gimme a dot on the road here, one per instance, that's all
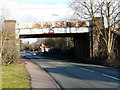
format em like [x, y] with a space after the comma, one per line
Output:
[77, 75]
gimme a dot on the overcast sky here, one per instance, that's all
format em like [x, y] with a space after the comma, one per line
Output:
[37, 10]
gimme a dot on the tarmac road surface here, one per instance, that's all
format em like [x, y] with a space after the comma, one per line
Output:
[77, 75]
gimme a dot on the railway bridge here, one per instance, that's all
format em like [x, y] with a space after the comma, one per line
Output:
[79, 30]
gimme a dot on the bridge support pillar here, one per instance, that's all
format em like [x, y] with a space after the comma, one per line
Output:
[11, 41]
[82, 46]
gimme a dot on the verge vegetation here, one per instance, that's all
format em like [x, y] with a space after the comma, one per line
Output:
[15, 76]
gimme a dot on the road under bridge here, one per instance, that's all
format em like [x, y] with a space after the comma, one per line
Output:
[79, 30]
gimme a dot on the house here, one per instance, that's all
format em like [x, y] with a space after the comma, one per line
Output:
[44, 48]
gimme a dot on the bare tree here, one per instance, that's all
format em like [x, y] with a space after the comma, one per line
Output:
[0, 56]
[8, 49]
[3, 15]
[108, 11]
[0, 43]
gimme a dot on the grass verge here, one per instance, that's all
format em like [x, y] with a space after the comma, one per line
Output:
[15, 76]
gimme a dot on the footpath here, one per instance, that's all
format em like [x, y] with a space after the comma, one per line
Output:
[39, 77]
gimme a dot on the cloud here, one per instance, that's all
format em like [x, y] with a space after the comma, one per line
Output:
[36, 10]
[30, 12]
[39, 1]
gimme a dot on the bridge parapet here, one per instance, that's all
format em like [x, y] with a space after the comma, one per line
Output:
[57, 24]
[54, 27]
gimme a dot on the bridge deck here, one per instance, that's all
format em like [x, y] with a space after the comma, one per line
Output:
[51, 35]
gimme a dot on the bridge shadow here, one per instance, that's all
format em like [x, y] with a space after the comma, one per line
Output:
[76, 72]
[79, 70]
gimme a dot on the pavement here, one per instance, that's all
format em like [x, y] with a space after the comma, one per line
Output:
[39, 77]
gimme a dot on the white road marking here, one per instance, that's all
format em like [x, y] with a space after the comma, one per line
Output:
[87, 69]
[102, 74]
[110, 76]
[94, 71]
[60, 63]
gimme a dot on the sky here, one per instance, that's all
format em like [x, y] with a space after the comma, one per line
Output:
[36, 10]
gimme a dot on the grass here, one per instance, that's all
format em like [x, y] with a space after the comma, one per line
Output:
[0, 76]
[15, 76]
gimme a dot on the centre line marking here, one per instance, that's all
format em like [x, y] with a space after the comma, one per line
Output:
[110, 76]
[87, 69]
[102, 74]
